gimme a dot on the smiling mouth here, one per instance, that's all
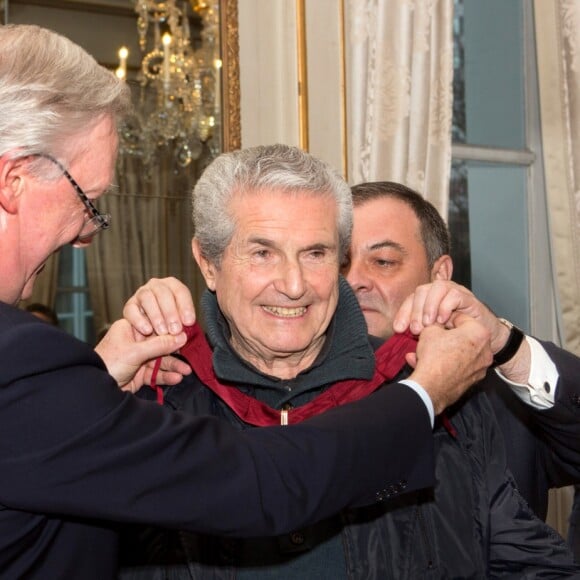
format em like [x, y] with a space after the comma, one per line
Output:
[285, 312]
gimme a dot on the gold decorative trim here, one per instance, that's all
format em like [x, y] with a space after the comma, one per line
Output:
[230, 49]
[303, 129]
[343, 89]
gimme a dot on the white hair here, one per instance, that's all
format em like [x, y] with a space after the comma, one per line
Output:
[51, 91]
[278, 168]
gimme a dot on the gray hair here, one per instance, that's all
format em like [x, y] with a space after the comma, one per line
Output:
[434, 232]
[279, 168]
[51, 90]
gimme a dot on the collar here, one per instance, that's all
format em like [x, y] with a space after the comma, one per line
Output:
[390, 360]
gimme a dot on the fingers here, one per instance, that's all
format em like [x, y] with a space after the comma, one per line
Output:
[171, 372]
[156, 346]
[429, 303]
[162, 306]
[125, 356]
[164, 377]
[449, 361]
[171, 364]
[436, 302]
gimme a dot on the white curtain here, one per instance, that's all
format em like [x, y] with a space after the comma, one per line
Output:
[558, 52]
[400, 93]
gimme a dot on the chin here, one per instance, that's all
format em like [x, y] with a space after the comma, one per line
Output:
[380, 331]
[26, 292]
[373, 320]
[28, 287]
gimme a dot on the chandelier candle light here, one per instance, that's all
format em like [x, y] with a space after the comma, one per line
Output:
[178, 101]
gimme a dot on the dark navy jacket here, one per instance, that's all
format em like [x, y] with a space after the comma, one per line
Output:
[76, 452]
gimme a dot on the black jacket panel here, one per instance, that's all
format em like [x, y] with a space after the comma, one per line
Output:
[75, 450]
[543, 446]
[474, 525]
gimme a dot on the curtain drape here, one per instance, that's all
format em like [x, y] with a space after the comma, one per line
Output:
[558, 53]
[400, 61]
[150, 235]
[557, 25]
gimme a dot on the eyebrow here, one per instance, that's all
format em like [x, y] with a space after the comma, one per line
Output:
[388, 244]
[93, 192]
[320, 247]
[261, 242]
[271, 244]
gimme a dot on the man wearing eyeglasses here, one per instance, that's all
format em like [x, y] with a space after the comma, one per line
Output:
[76, 451]
[94, 220]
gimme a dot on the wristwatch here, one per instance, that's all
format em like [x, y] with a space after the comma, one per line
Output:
[512, 345]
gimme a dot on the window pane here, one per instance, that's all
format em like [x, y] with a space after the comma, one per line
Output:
[74, 314]
[458, 222]
[65, 267]
[492, 199]
[72, 297]
[489, 73]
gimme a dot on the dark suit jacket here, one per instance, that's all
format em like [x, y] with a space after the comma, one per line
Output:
[76, 452]
[543, 447]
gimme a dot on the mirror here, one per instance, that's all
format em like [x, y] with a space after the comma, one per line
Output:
[84, 21]
[151, 208]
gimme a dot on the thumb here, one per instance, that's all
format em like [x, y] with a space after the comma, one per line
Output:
[411, 359]
[403, 316]
[156, 346]
[459, 319]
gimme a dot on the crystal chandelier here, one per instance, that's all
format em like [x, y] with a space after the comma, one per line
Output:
[177, 100]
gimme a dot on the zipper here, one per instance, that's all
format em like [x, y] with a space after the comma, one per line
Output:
[425, 536]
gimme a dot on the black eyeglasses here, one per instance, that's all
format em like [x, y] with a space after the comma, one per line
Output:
[96, 221]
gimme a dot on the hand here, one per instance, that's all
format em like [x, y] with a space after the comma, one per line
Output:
[449, 361]
[163, 305]
[129, 356]
[440, 302]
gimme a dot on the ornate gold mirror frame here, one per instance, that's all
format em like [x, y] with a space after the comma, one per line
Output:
[232, 130]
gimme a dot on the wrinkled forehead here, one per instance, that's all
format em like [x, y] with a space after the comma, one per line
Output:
[284, 194]
[294, 213]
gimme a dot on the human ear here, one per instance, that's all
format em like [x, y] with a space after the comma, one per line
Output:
[11, 183]
[442, 268]
[207, 268]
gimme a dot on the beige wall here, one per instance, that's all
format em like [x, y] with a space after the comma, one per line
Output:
[269, 75]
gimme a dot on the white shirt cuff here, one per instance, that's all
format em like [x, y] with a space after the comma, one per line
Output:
[540, 390]
[424, 397]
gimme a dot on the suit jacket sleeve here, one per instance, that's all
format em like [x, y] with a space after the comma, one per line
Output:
[560, 425]
[73, 444]
[556, 431]
[520, 544]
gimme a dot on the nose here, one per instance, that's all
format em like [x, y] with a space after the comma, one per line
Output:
[356, 274]
[290, 280]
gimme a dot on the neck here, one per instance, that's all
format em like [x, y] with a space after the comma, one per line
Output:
[283, 366]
